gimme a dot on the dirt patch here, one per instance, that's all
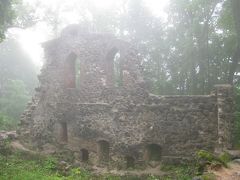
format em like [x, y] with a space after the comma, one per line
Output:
[230, 173]
[17, 146]
[149, 171]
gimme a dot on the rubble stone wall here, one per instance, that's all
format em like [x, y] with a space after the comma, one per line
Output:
[118, 122]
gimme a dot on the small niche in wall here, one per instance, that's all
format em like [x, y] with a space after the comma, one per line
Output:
[84, 155]
[153, 152]
[130, 162]
[103, 151]
[63, 132]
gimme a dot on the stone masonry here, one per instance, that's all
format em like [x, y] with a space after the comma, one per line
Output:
[93, 103]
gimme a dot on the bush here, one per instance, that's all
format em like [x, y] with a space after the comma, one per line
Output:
[208, 176]
[79, 174]
[183, 172]
[5, 149]
[15, 167]
[225, 157]
[206, 159]
[7, 123]
[50, 163]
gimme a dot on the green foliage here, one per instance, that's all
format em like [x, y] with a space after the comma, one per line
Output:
[19, 166]
[17, 81]
[22, 167]
[14, 14]
[6, 122]
[205, 158]
[5, 148]
[7, 14]
[183, 172]
[187, 54]
[15, 168]
[12, 104]
[79, 174]
[202, 154]
[225, 157]
[209, 176]
[15, 64]
[50, 163]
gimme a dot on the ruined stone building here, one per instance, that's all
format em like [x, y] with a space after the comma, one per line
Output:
[92, 102]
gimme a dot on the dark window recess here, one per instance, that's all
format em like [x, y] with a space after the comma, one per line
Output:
[153, 152]
[103, 151]
[63, 132]
[84, 155]
[130, 162]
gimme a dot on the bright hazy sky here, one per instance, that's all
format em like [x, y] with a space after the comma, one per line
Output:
[32, 38]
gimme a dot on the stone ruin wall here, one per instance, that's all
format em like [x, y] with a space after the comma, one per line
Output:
[99, 121]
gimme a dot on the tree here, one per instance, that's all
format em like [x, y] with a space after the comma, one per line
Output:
[187, 54]
[15, 64]
[236, 55]
[17, 82]
[7, 15]
[13, 102]
[14, 14]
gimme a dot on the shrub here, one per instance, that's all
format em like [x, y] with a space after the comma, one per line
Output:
[206, 159]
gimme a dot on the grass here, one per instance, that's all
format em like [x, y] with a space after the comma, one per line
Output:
[180, 172]
[14, 167]
[25, 166]
[18, 166]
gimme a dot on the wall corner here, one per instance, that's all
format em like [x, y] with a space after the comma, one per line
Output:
[225, 115]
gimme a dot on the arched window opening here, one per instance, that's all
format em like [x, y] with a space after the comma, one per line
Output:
[117, 70]
[103, 151]
[84, 155]
[63, 132]
[72, 71]
[130, 162]
[113, 68]
[153, 152]
[77, 73]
